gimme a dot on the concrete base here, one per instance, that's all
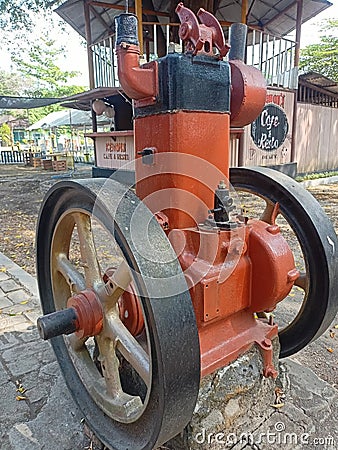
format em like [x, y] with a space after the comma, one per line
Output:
[232, 401]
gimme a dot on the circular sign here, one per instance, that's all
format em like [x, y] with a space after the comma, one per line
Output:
[270, 128]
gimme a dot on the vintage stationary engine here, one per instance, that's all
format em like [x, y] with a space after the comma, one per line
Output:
[145, 293]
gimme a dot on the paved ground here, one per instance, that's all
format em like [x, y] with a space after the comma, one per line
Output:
[38, 413]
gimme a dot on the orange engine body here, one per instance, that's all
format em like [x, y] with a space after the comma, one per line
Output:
[182, 135]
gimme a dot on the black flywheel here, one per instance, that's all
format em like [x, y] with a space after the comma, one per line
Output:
[311, 236]
[136, 389]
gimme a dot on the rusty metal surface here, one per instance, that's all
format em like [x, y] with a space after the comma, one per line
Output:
[248, 93]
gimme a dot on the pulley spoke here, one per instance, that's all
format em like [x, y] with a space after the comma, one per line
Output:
[76, 343]
[303, 281]
[129, 347]
[110, 365]
[270, 212]
[117, 283]
[87, 249]
[70, 273]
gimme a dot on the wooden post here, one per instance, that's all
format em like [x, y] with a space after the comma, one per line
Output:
[296, 64]
[298, 30]
[138, 12]
[244, 11]
[89, 42]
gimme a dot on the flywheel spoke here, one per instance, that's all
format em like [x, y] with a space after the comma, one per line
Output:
[70, 273]
[117, 283]
[87, 249]
[129, 347]
[270, 212]
[303, 281]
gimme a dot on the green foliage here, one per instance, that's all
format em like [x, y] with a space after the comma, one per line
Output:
[40, 76]
[323, 57]
[5, 133]
[39, 66]
[17, 13]
[12, 84]
[316, 175]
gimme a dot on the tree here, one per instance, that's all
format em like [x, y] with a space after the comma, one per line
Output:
[5, 133]
[16, 13]
[323, 57]
[40, 68]
[43, 77]
[12, 84]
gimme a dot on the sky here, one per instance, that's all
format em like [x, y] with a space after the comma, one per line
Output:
[76, 57]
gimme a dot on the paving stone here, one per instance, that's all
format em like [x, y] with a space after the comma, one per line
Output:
[51, 370]
[8, 340]
[17, 309]
[13, 323]
[12, 411]
[4, 302]
[4, 378]
[18, 296]
[3, 276]
[33, 315]
[58, 425]
[9, 285]
[279, 432]
[27, 357]
[37, 389]
[31, 335]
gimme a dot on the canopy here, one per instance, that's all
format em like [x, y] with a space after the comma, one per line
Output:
[76, 101]
[67, 117]
[275, 17]
[7, 102]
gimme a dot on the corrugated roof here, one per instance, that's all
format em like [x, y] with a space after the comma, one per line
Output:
[66, 117]
[320, 81]
[275, 17]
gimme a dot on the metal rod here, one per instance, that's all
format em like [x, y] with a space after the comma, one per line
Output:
[155, 41]
[167, 29]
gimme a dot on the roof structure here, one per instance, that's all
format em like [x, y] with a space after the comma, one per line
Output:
[76, 101]
[67, 117]
[8, 102]
[275, 17]
[319, 81]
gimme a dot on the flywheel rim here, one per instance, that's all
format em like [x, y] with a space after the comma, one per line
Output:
[170, 392]
[319, 306]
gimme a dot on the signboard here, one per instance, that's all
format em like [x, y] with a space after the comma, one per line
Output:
[114, 151]
[270, 128]
[269, 137]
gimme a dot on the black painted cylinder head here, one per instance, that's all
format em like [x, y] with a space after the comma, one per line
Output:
[126, 29]
[238, 33]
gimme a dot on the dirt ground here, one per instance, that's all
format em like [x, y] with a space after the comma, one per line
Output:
[21, 193]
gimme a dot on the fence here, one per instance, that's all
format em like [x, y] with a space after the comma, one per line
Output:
[273, 55]
[15, 157]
